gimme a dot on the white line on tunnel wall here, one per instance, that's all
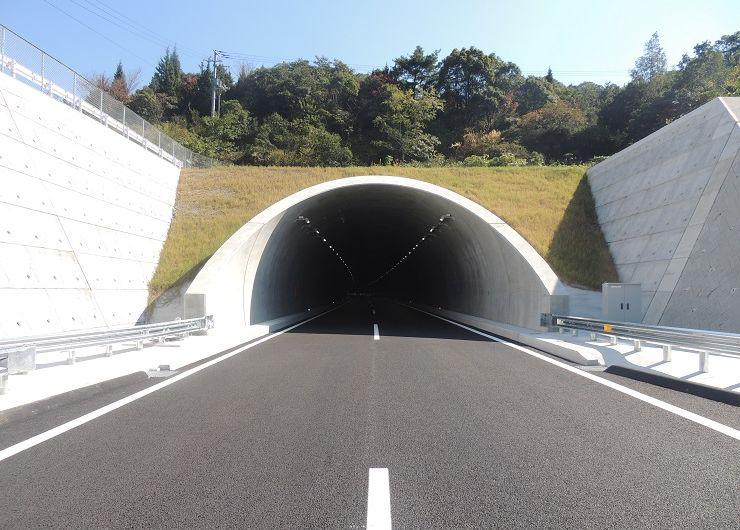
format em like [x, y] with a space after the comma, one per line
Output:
[378, 499]
[376, 332]
[678, 411]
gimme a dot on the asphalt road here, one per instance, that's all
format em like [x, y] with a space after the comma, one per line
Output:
[472, 432]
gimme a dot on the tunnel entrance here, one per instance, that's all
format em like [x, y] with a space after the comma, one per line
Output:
[387, 236]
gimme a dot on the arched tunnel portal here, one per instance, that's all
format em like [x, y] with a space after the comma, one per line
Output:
[389, 236]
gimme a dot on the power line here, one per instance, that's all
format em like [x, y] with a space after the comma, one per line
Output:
[134, 25]
[239, 56]
[116, 21]
[98, 33]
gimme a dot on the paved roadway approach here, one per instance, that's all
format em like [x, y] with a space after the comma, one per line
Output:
[370, 415]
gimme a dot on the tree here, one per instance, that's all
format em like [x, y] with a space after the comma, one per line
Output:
[551, 129]
[533, 94]
[168, 74]
[729, 45]
[119, 87]
[417, 70]
[401, 124]
[475, 89]
[146, 104]
[298, 143]
[230, 132]
[549, 77]
[699, 78]
[652, 62]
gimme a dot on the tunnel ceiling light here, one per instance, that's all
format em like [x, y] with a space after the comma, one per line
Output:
[306, 221]
[444, 219]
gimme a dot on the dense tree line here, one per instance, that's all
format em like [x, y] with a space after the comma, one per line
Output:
[470, 107]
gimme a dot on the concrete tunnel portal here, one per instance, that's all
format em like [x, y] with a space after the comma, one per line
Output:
[388, 236]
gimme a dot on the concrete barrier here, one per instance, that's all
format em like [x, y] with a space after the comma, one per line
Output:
[668, 208]
[83, 216]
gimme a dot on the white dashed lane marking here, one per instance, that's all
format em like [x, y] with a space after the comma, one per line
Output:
[378, 499]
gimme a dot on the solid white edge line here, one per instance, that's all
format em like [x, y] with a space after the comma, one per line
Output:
[376, 332]
[701, 420]
[64, 427]
[378, 499]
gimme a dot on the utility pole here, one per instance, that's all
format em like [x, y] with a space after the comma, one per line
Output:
[214, 84]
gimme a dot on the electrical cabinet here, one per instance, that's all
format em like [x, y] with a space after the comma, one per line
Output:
[621, 302]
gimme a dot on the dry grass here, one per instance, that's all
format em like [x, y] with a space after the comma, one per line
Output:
[550, 206]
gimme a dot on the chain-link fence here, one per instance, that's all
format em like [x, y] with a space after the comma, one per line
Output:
[34, 67]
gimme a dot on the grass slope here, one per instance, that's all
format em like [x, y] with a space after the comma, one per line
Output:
[551, 207]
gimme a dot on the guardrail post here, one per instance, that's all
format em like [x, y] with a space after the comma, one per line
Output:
[71, 356]
[139, 344]
[703, 361]
[574, 332]
[593, 336]
[21, 360]
[3, 382]
[638, 345]
[612, 340]
[667, 353]
[109, 350]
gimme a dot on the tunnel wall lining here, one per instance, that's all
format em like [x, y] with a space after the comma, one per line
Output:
[84, 214]
[667, 206]
[226, 282]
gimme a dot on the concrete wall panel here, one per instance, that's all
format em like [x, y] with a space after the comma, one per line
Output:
[668, 209]
[83, 217]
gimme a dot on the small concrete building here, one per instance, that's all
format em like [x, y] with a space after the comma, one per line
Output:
[669, 207]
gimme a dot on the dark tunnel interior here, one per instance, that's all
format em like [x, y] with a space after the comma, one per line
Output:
[387, 240]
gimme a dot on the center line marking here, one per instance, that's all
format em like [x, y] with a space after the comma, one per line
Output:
[376, 332]
[378, 499]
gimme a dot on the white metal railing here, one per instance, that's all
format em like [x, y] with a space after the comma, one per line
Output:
[19, 354]
[28, 63]
[701, 341]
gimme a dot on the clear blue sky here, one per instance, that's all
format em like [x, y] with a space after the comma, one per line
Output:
[582, 40]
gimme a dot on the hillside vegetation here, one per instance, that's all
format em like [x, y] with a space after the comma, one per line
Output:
[471, 107]
[550, 206]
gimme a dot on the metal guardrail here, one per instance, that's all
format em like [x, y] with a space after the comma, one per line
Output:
[18, 354]
[698, 340]
[30, 64]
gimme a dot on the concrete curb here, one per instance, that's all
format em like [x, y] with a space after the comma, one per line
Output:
[22, 412]
[673, 383]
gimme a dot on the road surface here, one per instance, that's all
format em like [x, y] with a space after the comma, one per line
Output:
[459, 430]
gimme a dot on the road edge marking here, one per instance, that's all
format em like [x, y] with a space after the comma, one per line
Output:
[678, 411]
[110, 407]
[378, 499]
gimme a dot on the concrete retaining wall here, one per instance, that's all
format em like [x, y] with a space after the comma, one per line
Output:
[668, 208]
[83, 217]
